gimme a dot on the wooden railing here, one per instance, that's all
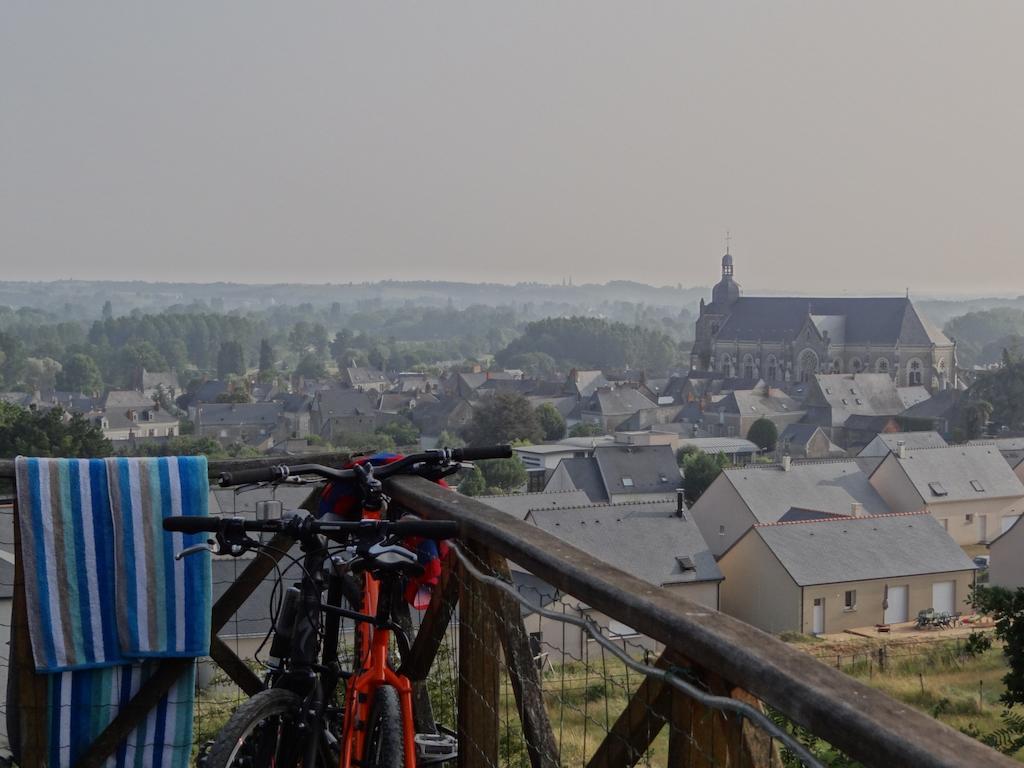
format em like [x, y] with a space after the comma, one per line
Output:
[723, 655]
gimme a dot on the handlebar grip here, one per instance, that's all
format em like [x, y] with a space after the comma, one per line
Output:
[482, 454]
[192, 524]
[259, 475]
[427, 529]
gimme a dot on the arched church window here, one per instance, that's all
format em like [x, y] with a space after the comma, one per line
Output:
[856, 365]
[748, 367]
[914, 374]
[772, 368]
[808, 364]
[837, 366]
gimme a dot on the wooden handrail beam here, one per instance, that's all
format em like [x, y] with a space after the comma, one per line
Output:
[864, 723]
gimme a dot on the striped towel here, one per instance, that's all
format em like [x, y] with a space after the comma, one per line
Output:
[83, 703]
[152, 587]
[67, 545]
[102, 583]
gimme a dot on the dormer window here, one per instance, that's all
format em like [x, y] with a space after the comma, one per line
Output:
[686, 563]
[976, 485]
[938, 489]
[627, 482]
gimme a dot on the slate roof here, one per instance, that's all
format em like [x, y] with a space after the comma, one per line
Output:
[863, 548]
[645, 539]
[294, 402]
[342, 401]
[828, 485]
[621, 401]
[911, 396]
[938, 406]
[857, 394]
[238, 414]
[587, 382]
[363, 376]
[800, 434]
[756, 403]
[126, 398]
[652, 468]
[22, 399]
[956, 469]
[911, 440]
[564, 404]
[118, 418]
[586, 477]
[721, 444]
[208, 391]
[866, 320]
[519, 504]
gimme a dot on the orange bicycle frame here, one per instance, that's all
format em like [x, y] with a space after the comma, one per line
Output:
[373, 671]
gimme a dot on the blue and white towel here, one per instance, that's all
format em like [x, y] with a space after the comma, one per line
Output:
[153, 588]
[102, 583]
[83, 703]
[104, 591]
[67, 537]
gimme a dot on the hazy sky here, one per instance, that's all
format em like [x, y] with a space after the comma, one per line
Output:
[849, 146]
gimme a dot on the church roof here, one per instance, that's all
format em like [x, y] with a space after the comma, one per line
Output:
[865, 320]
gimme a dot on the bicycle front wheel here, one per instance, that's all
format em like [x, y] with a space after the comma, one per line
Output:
[261, 734]
[385, 747]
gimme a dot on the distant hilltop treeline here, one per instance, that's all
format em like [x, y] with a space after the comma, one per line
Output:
[155, 296]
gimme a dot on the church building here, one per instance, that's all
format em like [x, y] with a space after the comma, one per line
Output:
[784, 339]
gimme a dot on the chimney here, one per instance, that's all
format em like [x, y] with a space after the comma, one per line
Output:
[787, 463]
[680, 502]
[901, 449]
[856, 509]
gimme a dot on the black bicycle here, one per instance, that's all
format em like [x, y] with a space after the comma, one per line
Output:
[305, 716]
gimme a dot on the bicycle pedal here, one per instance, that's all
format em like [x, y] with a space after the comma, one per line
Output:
[433, 748]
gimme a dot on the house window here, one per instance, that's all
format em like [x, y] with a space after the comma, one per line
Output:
[685, 563]
[850, 600]
[627, 482]
[968, 518]
[976, 485]
[938, 489]
[721, 530]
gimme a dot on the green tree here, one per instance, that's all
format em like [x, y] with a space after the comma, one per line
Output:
[699, 472]
[503, 475]
[764, 434]
[311, 366]
[586, 429]
[551, 421]
[80, 374]
[473, 484]
[504, 417]
[1004, 390]
[238, 396]
[364, 442]
[266, 369]
[976, 416]
[448, 440]
[401, 431]
[46, 433]
[1007, 608]
[133, 358]
[40, 373]
[230, 359]
[108, 310]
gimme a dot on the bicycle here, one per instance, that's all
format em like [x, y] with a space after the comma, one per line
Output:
[295, 721]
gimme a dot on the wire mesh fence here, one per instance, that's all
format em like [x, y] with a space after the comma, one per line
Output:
[528, 675]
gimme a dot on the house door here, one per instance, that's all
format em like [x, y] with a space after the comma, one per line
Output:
[818, 622]
[896, 611]
[944, 596]
[983, 527]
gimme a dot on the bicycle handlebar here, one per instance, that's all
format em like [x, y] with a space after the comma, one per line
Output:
[441, 457]
[428, 529]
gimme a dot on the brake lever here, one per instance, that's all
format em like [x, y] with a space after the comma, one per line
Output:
[208, 546]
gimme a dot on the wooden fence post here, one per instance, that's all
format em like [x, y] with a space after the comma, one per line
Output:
[479, 674]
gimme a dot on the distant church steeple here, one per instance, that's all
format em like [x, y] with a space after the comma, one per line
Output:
[727, 290]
